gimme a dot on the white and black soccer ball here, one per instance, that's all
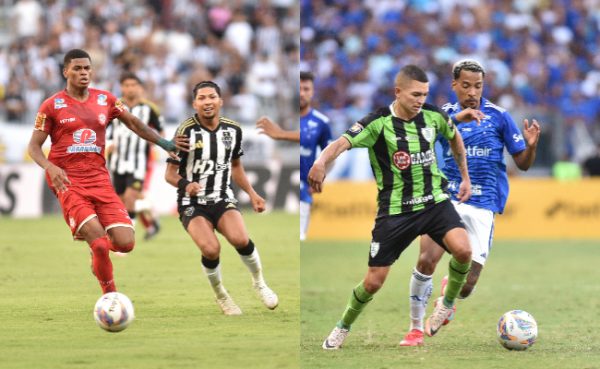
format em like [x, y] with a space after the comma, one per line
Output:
[517, 330]
[113, 312]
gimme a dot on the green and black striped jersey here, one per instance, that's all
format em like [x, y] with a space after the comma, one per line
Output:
[402, 157]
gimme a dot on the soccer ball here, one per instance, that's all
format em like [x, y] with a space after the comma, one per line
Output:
[113, 312]
[517, 330]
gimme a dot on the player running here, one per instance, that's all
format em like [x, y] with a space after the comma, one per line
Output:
[205, 198]
[485, 138]
[411, 196]
[129, 157]
[76, 119]
[314, 132]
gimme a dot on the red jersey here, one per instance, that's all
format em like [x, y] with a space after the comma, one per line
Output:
[77, 131]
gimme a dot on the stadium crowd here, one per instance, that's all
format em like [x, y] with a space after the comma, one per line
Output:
[250, 48]
[542, 59]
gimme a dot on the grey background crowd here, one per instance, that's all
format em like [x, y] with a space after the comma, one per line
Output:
[250, 48]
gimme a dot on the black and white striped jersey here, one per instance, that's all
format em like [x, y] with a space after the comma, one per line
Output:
[131, 152]
[209, 160]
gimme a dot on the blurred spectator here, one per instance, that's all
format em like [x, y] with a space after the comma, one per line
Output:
[14, 103]
[27, 16]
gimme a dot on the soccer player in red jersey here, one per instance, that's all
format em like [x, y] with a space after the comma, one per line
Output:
[75, 119]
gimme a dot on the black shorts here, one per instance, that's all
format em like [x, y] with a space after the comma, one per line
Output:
[393, 234]
[122, 181]
[211, 212]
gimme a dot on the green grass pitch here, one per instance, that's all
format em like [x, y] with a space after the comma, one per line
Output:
[557, 282]
[47, 294]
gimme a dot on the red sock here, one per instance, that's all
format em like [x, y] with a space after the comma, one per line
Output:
[147, 221]
[102, 265]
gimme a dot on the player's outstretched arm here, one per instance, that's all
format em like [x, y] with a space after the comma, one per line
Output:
[57, 175]
[531, 134]
[317, 172]
[272, 129]
[148, 134]
[460, 157]
[239, 177]
[174, 179]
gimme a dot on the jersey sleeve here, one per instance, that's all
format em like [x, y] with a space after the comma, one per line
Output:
[445, 126]
[181, 155]
[364, 133]
[325, 136]
[237, 149]
[513, 139]
[116, 107]
[44, 120]
[156, 120]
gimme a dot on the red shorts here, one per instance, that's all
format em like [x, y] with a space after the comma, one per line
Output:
[81, 204]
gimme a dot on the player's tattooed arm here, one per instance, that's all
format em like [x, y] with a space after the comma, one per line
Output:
[460, 157]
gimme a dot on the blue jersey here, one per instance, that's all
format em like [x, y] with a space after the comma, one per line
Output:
[484, 144]
[314, 132]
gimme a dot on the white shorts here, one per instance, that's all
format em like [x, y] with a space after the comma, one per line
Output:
[480, 227]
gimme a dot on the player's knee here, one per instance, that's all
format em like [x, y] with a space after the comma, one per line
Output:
[425, 265]
[372, 285]
[124, 242]
[239, 241]
[124, 246]
[209, 251]
[462, 254]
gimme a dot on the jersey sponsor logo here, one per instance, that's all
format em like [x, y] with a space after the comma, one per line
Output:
[401, 159]
[305, 151]
[478, 151]
[374, 248]
[102, 119]
[418, 200]
[476, 190]
[428, 133]
[59, 103]
[226, 139]
[198, 145]
[102, 99]
[84, 139]
[356, 128]
[67, 120]
[40, 121]
[517, 137]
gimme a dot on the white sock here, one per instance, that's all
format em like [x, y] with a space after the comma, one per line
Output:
[214, 278]
[142, 205]
[304, 219]
[420, 290]
[253, 264]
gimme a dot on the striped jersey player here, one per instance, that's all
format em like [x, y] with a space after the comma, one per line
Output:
[205, 199]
